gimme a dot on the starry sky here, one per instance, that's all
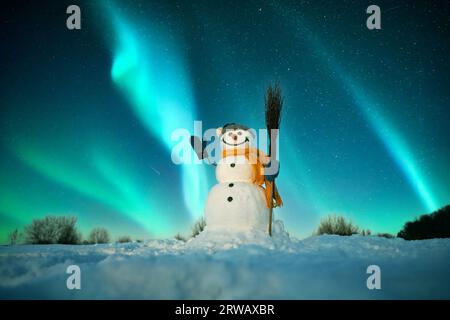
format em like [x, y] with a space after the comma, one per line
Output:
[87, 115]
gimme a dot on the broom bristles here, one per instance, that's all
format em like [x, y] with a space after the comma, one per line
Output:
[274, 104]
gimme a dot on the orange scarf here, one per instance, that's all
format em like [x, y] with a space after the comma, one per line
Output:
[254, 156]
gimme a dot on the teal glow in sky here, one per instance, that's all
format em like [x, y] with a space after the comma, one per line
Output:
[87, 116]
[395, 145]
[155, 80]
[371, 110]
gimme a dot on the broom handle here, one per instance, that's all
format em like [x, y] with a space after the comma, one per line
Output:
[271, 208]
[273, 186]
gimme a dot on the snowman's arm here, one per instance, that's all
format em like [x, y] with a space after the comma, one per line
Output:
[272, 170]
[199, 147]
[271, 166]
[263, 158]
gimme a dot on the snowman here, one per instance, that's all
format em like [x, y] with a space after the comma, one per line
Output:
[245, 195]
[238, 202]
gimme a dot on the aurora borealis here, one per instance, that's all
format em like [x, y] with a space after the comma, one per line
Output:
[87, 115]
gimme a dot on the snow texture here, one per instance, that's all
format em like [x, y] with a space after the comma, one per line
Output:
[231, 265]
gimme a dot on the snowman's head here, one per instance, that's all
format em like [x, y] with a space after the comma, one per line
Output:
[234, 135]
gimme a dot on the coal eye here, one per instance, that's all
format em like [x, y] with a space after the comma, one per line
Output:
[240, 133]
[230, 134]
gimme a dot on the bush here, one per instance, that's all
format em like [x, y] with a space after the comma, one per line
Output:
[124, 239]
[99, 235]
[428, 226]
[366, 233]
[179, 237]
[386, 235]
[14, 237]
[51, 230]
[333, 224]
[198, 227]
[68, 234]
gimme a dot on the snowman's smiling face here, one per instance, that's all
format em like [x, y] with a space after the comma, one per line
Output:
[235, 138]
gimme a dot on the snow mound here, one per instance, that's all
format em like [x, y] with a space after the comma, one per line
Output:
[219, 266]
[224, 239]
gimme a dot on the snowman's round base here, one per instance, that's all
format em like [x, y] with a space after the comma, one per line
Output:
[223, 239]
[236, 206]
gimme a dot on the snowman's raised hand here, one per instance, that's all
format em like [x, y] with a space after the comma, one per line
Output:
[272, 169]
[264, 159]
[199, 146]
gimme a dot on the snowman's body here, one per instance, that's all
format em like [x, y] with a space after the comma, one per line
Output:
[235, 169]
[236, 203]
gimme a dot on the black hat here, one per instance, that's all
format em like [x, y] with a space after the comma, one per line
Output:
[233, 126]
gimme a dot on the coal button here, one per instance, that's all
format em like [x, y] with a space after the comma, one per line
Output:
[232, 165]
[230, 199]
[231, 185]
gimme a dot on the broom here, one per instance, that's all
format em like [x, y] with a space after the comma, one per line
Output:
[273, 107]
